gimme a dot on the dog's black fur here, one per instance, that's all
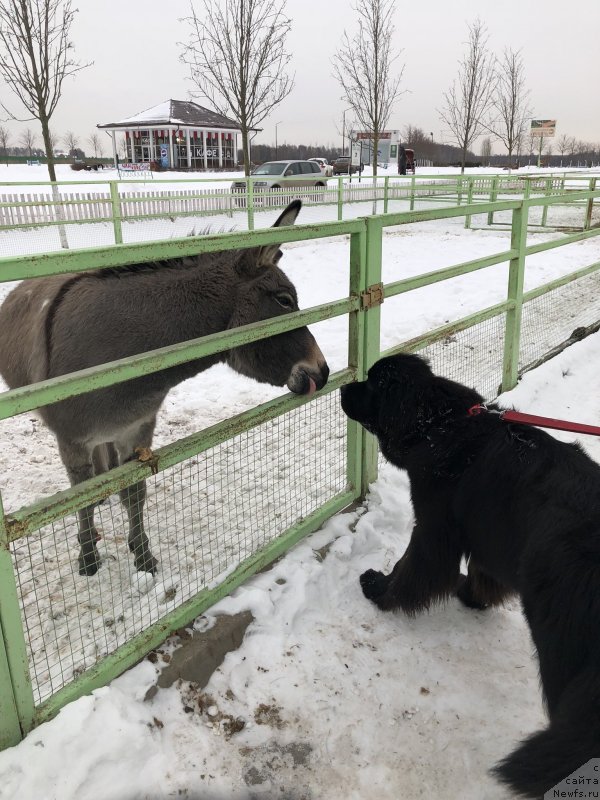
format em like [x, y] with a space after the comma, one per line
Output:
[524, 509]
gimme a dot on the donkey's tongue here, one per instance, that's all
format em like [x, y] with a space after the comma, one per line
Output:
[312, 386]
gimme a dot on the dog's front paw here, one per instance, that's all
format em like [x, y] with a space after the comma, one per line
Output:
[374, 584]
[464, 593]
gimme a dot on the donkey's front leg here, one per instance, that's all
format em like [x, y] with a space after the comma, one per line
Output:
[78, 462]
[134, 497]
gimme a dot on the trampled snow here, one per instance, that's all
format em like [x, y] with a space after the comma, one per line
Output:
[332, 698]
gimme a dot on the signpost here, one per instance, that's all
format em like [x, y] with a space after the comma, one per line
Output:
[542, 128]
[355, 159]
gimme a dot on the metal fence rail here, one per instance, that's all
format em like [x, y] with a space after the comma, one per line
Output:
[227, 500]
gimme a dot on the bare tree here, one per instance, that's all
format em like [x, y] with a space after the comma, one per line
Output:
[345, 130]
[36, 57]
[563, 143]
[4, 140]
[486, 150]
[363, 66]
[71, 142]
[237, 59]
[468, 101]
[510, 102]
[533, 143]
[27, 140]
[96, 144]
[419, 140]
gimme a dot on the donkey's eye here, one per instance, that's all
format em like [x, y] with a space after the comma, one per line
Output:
[285, 300]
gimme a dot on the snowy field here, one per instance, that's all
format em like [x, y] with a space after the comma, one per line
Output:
[359, 703]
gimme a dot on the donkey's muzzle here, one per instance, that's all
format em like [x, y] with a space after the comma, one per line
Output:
[305, 379]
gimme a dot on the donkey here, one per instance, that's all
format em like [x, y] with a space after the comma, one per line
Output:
[56, 325]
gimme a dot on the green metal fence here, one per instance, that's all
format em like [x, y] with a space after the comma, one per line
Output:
[228, 500]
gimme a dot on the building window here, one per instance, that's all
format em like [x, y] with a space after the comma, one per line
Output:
[197, 147]
[180, 147]
[228, 145]
[212, 150]
[141, 146]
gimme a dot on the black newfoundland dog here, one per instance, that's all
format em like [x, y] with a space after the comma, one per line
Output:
[524, 509]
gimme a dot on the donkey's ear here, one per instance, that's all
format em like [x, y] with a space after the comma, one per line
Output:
[270, 253]
[289, 215]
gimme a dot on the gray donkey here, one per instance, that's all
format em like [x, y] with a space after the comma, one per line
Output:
[56, 325]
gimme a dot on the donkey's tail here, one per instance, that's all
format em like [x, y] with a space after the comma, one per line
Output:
[548, 757]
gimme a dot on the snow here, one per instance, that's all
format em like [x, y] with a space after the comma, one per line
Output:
[162, 111]
[337, 698]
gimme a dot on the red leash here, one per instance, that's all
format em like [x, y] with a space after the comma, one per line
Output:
[539, 422]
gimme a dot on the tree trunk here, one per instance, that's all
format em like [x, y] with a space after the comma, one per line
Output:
[245, 148]
[463, 159]
[375, 148]
[48, 148]
[60, 212]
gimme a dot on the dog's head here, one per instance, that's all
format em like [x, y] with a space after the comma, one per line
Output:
[402, 396]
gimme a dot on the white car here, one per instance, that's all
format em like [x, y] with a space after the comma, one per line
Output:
[326, 169]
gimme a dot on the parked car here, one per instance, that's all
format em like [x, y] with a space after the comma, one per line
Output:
[342, 166]
[281, 174]
[326, 168]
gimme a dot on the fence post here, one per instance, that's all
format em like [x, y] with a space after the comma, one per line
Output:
[250, 199]
[459, 190]
[16, 693]
[356, 335]
[386, 181]
[340, 197]
[371, 339]
[493, 198]
[115, 201]
[547, 192]
[469, 201]
[590, 206]
[516, 275]
[412, 192]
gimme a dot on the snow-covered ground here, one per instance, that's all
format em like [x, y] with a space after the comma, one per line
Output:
[357, 703]
[333, 698]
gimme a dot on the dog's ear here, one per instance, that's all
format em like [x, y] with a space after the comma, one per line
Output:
[412, 404]
[403, 403]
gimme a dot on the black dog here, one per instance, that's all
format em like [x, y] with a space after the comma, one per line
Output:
[524, 509]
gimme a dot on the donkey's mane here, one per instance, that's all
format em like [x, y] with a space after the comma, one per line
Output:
[152, 266]
[143, 267]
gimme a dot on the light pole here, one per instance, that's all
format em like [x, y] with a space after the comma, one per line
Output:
[344, 130]
[276, 124]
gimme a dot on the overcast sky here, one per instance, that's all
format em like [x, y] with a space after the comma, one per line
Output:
[134, 47]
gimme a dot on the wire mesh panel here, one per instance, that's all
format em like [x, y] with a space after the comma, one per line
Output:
[473, 356]
[203, 517]
[549, 320]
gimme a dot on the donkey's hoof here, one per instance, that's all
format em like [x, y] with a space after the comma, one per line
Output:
[89, 564]
[146, 563]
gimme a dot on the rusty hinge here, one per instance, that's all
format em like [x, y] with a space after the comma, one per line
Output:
[373, 296]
